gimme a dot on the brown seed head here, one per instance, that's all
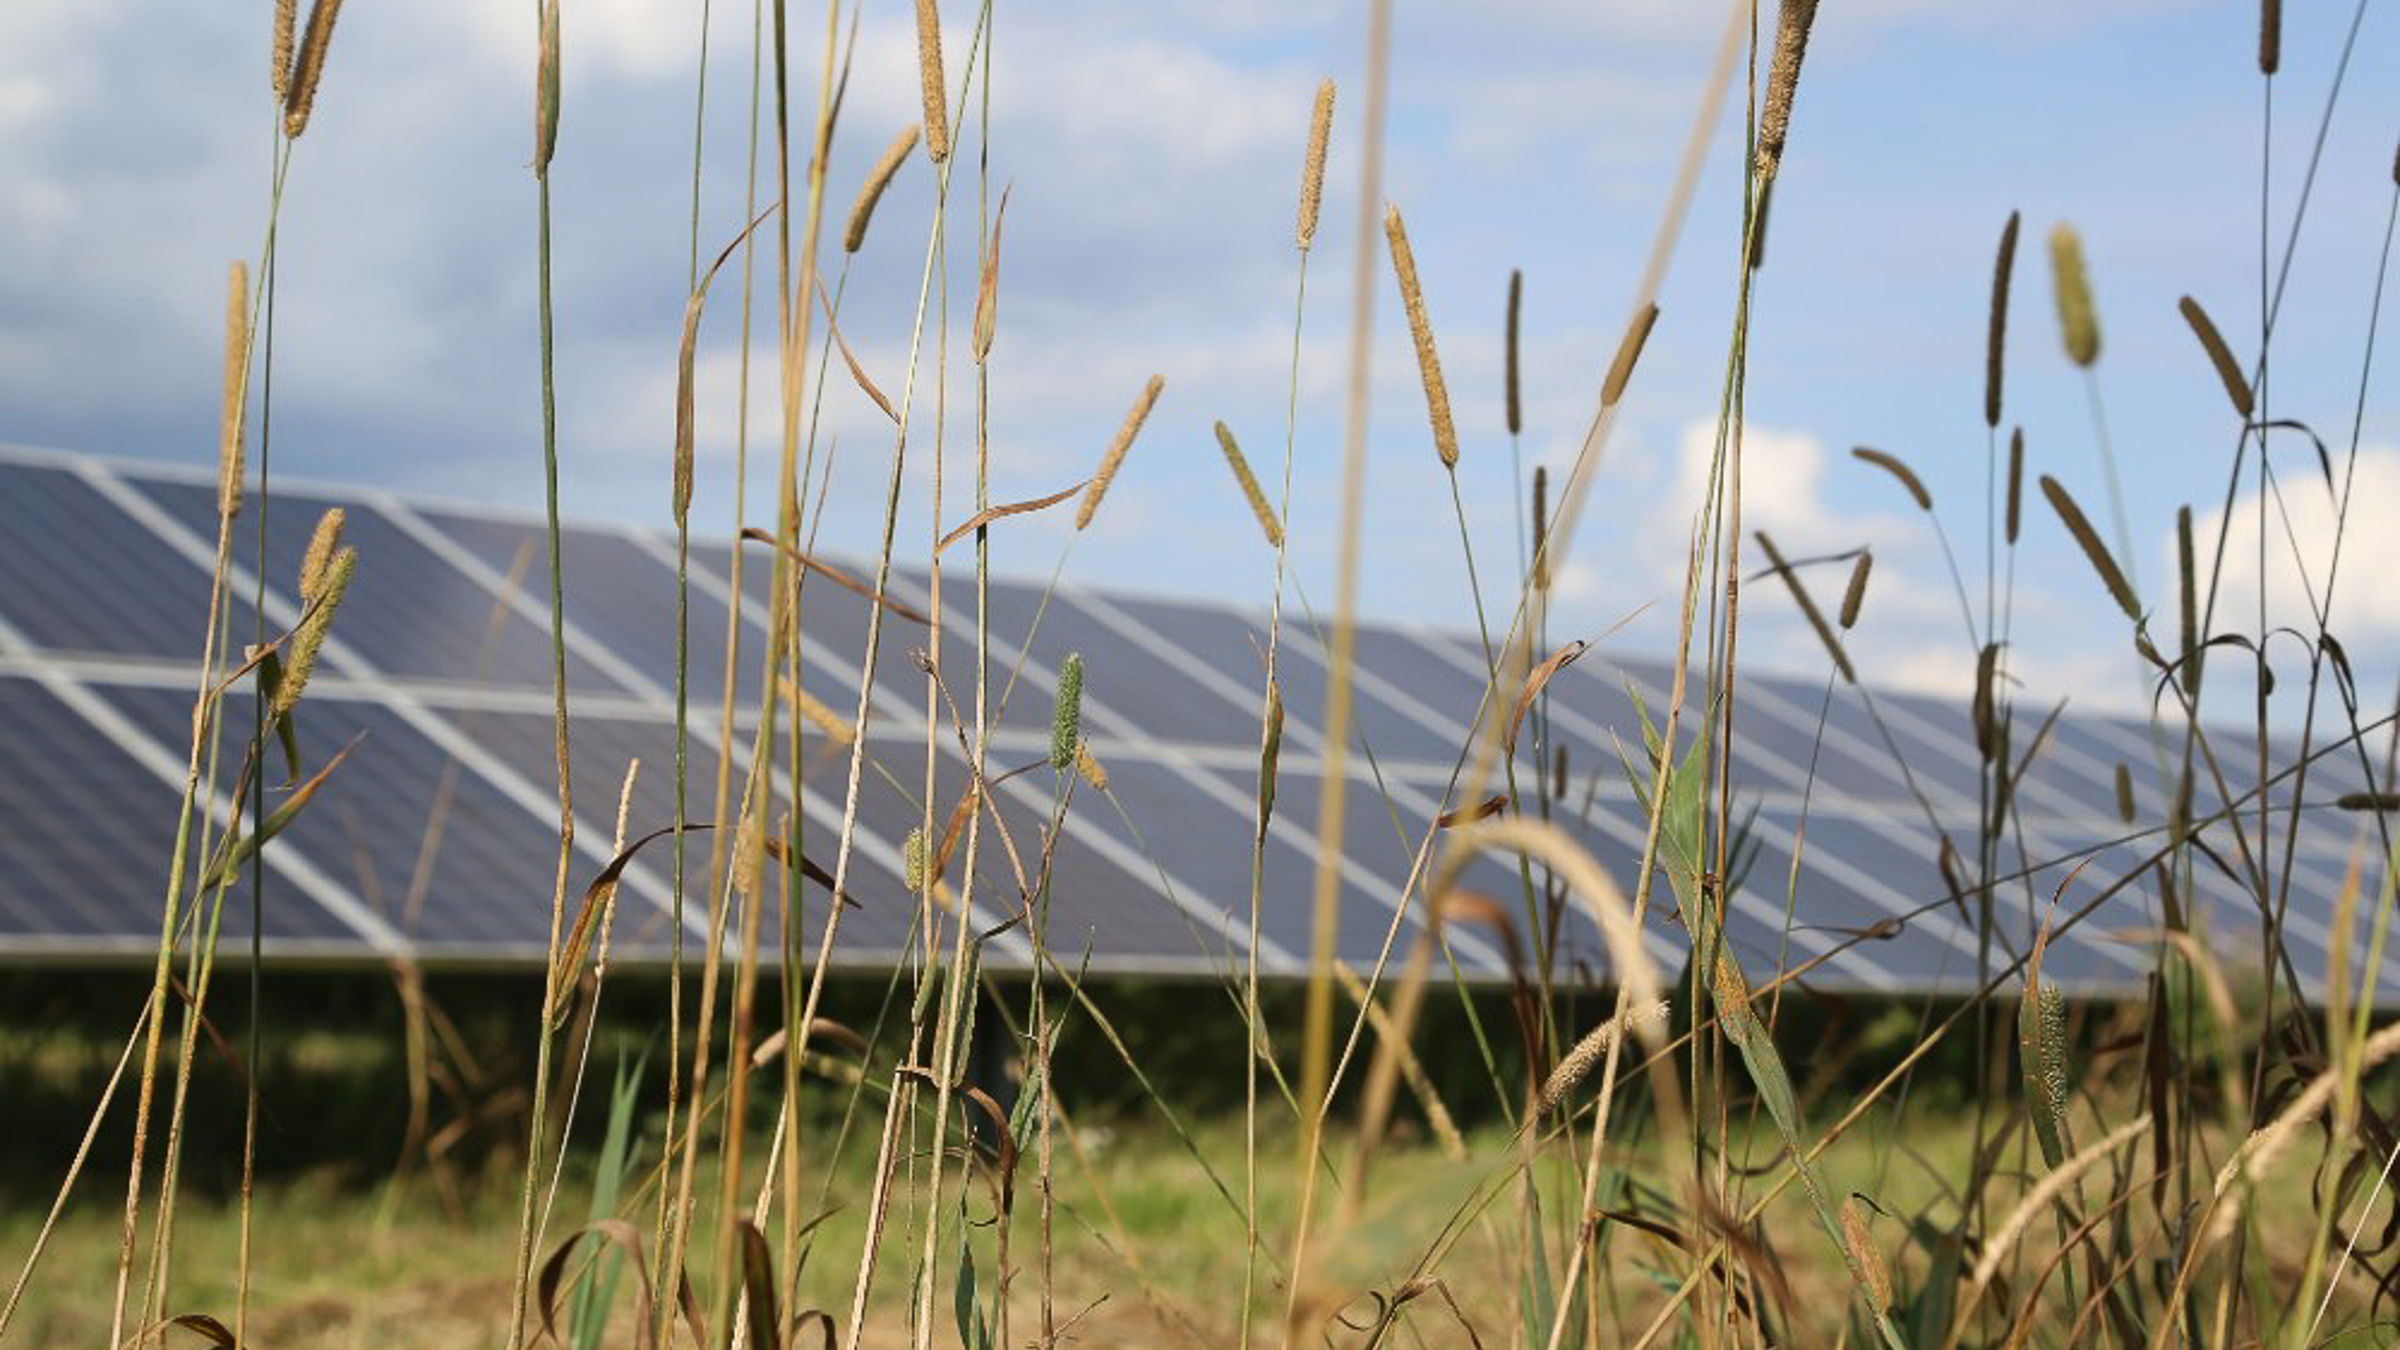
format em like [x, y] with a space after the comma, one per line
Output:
[1429, 365]
[301, 96]
[237, 373]
[1312, 167]
[1856, 595]
[1783, 81]
[2270, 36]
[2016, 479]
[1996, 340]
[1629, 351]
[1259, 506]
[314, 563]
[871, 191]
[287, 17]
[1516, 295]
[929, 76]
[2237, 386]
[1116, 450]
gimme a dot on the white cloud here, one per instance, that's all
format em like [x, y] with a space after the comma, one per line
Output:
[2301, 532]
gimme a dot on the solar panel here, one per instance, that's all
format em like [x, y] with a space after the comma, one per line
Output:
[438, 835]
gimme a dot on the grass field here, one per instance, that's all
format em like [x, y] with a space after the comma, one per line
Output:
[1684, 1154]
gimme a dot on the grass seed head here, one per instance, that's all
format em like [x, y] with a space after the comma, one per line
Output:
[912, 860]
[310, 636]
[929, 77]
[1629, 351]
[1420, 328]
[1856, 595]
[1897, 468]
[1066, 713]
[2270, 36]
[2078, 318]
[1996, 339]
[237, 371]
[1312, 165]
[1259, 506]
[1115, 459]
[300, 97]
[546, 91]
[1864, 1253]
[2080, 526]
[1516, 296]
[870, 192]
[287, 18]
[1783, 82]
[314, 563]
[2124, 793]
[2237, 386]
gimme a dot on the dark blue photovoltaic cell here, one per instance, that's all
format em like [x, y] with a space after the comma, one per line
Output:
[85, 577]
[406, 611]
[621, 596]
[1234, 645]
[89, 832]
[1116, 908]
[1153, 875]
[833, 639]
[490, 883]
[1151, 697]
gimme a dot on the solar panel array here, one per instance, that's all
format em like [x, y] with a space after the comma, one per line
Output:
[437, 837]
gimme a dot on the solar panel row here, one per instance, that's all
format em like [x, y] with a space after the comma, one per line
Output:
[438, 835]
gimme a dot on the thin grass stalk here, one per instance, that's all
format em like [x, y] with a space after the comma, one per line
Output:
[1300, 1315]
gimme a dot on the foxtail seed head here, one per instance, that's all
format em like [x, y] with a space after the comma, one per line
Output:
[1066, 714]
[1312, 167]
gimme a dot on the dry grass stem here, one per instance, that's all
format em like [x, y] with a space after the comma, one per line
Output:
[2078, 318]
[870, 192]
[301, 97]
[1808, 607]
[1629, 352]
[2088, 539]
[1783, 82]
[1420, 329]
[1996, 339]
[929, 78]
[987, 287]
[2005, 1238]
[1256, 495]
[1115, 459]
[2237, 386]
[237, 375]
[1312, 165]
[1089, 766]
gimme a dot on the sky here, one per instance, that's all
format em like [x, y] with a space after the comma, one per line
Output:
[1150, 154]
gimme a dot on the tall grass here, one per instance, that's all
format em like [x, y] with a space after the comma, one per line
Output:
[2205, 1163]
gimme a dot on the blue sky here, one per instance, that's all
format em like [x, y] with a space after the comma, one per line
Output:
[1152, 151]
